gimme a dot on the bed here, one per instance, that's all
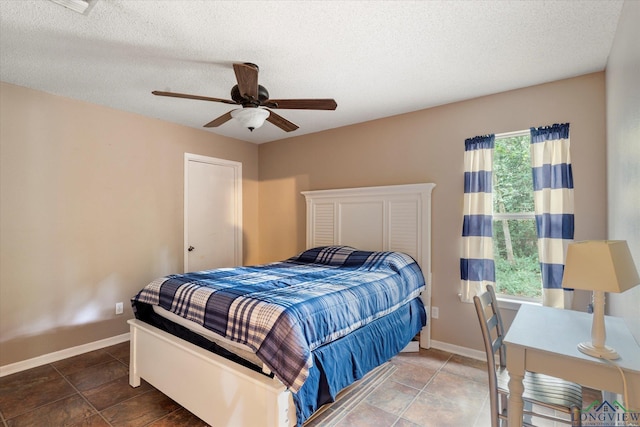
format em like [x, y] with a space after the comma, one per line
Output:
[275, 367]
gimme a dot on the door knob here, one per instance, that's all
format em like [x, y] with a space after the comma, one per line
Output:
[190, 248]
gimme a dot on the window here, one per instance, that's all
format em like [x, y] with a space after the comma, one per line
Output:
[515, 241]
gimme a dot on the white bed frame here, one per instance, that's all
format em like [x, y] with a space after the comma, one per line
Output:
[223, 393]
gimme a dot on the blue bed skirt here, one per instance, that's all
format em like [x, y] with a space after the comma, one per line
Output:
[338, 364]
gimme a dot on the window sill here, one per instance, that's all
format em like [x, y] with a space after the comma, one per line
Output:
[513, 304]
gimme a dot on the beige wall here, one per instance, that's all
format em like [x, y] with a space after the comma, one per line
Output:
[91, 209]
[623, 151]
[91, 198]
[428, 146]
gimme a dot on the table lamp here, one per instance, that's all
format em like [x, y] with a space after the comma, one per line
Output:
[599, 266]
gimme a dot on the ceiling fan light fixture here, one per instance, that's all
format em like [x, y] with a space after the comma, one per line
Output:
[255, 102]
[250, 117]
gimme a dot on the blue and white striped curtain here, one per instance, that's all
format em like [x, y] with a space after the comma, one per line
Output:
[477, 268]
[553, 196]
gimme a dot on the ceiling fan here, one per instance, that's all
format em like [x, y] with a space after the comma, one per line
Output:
[255, 102]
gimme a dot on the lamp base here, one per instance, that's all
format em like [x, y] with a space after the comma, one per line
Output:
[599, 352]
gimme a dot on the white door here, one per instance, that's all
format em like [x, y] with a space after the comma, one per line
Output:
[212, 213]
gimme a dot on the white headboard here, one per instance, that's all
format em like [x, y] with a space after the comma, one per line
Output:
[388, 218]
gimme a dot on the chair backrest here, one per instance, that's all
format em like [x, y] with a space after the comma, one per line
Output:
[491, 325]
[492, 334]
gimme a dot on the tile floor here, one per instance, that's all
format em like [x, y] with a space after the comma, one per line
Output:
[429, 388]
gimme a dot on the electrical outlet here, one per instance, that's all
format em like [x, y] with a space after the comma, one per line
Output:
[435, 312]
[119, 308]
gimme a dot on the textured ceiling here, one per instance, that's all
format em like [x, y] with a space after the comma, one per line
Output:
[375, 58]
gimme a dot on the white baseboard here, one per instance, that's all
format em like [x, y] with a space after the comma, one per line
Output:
[462, 351]
[62, 354]
[96, 345]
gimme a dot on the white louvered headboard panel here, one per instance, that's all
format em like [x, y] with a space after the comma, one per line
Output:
[387, 218]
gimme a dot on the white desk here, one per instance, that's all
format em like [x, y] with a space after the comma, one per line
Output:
[544, 340]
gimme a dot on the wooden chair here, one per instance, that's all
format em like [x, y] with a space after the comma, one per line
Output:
[539, 389]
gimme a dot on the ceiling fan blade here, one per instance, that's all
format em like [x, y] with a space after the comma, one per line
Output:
[281, 122]
[302, 104]
[198, 97]
[247, 77]
[219, 121]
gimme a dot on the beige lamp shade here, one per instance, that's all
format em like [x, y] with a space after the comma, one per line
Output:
[603, 265]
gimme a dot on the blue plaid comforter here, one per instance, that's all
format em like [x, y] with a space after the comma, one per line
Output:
[284, 310]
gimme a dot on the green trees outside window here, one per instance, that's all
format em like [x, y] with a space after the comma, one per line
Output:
[514, 227]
